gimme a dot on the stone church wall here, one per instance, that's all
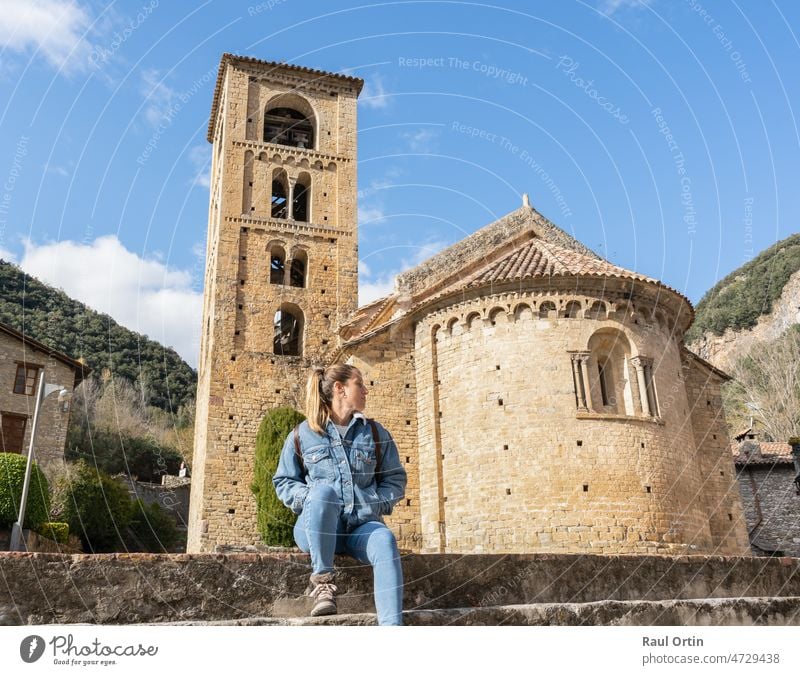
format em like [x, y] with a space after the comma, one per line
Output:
[508, 462]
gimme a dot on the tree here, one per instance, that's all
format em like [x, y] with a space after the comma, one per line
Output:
[152, 529]
[275, 521]
[97, 508]
[767, 386]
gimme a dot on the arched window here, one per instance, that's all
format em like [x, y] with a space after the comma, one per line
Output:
[297, 272]
[301, 199]
[609, 376]
[288, 331]
[280, 190]
[545, 309]
[277, 260]
[287, 126]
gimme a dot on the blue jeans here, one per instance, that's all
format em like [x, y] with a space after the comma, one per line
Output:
[321, 531]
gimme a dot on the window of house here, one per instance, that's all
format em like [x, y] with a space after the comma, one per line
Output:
[12, 432]
[26, 378]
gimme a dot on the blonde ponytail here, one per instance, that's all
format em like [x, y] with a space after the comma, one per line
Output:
[319, 393]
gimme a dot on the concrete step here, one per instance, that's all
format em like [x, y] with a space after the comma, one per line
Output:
[702, 612]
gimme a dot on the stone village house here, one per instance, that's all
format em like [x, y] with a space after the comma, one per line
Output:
[541, 397]
[21, 363]
[770, 496]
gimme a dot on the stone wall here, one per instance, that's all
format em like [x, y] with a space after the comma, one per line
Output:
[772, 507]
[508, 460]
[387, 364]
[53, 422]
[240, 377]
[719, 489]
[163, 588]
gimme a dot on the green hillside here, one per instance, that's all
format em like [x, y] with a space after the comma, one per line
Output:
[740, 298]
[53, 318]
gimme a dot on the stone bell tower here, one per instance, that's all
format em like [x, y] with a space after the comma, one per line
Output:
[281, 269]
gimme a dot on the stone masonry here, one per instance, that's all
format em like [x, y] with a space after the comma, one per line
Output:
[540, 397]
[240, 377]
[16, 409]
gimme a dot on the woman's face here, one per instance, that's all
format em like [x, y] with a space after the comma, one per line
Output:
[355, 392]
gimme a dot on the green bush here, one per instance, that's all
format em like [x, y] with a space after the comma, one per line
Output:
[58, 532]
[12, 476]
[152, 529]
[275, 521]
[97, 508]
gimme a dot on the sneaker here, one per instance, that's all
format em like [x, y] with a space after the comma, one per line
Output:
[324, 594]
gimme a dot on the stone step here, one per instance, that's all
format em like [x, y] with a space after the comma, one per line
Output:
[701, 612]
[144, 588]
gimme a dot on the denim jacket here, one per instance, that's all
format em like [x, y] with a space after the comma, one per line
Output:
[348, 465]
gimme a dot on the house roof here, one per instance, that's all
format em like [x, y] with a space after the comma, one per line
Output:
[768, 453]
[268, 66]
[688, 353]
[80, 368]
[540, 258]
[522, 245]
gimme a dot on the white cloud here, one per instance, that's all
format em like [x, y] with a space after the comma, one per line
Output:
[611, 6]
[421, 140]
[373, 95]
[200, 157]
[383, 284]
[159, 98]
[143, 295]
[55, 28]
[368, 215]
[372, 290]
[8, 256]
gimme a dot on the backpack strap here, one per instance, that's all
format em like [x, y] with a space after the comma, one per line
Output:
[377, 441]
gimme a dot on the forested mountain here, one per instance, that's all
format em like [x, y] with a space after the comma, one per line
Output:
[50, 316]
[749, 292]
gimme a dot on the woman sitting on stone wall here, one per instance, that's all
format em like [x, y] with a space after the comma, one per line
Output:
[341, 473]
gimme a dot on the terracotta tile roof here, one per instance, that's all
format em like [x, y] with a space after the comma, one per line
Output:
[770, 453]
[540, 258]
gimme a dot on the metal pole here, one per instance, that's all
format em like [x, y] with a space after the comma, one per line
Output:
[16, 529]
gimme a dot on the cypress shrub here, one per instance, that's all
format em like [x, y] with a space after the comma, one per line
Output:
[12, 476]
[275, 521]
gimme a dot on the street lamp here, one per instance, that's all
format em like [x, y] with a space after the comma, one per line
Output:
[43, 391]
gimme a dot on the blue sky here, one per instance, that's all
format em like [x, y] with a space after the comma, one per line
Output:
[662, 134]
